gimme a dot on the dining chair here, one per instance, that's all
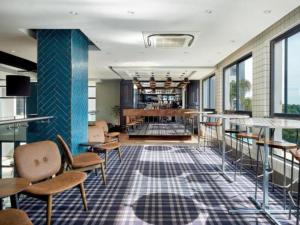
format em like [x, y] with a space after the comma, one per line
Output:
[87, 161]
[96, 135]
[40, 162]
[14, 217]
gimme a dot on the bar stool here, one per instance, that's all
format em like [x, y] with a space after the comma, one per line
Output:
[284, 146]
[295, 156]
[240, 138]
[211, 125]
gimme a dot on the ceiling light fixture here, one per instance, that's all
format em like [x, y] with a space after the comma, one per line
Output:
[74, 13]
[130, 12]
[208, 11]
[12, 51]
[267, 11]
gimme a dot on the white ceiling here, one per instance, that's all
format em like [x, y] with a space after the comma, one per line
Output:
[117, 26]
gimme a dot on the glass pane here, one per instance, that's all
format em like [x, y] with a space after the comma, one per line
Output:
[245, 85]
[206, 94]
[279, 81]
[212, 92]
[230, 88]
[92, 92]
[293, 74]
[92, 104]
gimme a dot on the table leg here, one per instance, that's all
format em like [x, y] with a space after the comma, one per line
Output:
[265, 204]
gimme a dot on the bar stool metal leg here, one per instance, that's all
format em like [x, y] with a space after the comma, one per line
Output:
[256, 177]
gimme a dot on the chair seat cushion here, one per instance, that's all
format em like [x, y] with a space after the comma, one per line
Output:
[278, 144]
[14, 217]
[113, 134]
[108, 146]
[86, 159]
[247, 135]
[57, 184]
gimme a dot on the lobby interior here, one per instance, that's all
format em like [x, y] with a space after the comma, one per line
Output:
[149, 112]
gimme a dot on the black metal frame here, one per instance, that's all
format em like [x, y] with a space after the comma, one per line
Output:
[209, 101]
[237, 62]
[281, 37]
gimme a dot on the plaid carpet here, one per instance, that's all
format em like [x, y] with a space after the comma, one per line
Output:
[156, 185]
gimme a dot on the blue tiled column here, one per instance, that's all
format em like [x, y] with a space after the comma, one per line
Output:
[63, 85]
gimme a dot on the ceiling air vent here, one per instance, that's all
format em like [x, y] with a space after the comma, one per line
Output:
[172, 40]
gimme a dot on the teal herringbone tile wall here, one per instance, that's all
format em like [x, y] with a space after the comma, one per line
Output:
[63, 85]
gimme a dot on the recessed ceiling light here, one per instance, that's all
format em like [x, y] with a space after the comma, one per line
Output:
[73, 13]
[267, 11]
[130, 12]
[208, 11]
[12, 51]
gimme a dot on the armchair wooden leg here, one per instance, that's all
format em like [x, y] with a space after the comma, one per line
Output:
[82, 191]
[106, 159]
[103, 173]
[119, 153]
[49, 209]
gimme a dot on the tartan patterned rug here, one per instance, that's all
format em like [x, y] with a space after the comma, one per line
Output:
[162, 185]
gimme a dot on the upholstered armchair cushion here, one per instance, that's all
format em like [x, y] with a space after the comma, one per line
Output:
[57, 185]
[86, 159]
[96, 134]
[37, 161]
[14, 217]
[103, 125]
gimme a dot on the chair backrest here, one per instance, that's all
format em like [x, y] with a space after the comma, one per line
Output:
[96, 134]
[37, 161]
[102, 124]
[66, 149]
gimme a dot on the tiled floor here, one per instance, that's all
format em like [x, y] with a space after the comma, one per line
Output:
[156, 185]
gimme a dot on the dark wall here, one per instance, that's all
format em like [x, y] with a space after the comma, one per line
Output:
[193, 95]
[126, 98]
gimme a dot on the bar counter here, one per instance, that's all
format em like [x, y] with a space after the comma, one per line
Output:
[155, 112]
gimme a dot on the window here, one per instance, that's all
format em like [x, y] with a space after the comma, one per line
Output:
[208, 87]
[92, 102]
[238, 85]
[285, 79]
[285, 74]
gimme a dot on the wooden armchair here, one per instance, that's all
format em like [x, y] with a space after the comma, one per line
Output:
[39, 162]
[14, 217]
[96, 135]
[83, 162]
[109, 136]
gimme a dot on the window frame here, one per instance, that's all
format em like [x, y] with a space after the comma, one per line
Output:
[209, 86]
[284, 36]
[236, 62]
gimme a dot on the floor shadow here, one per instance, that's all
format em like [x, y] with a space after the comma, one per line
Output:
[158, 148]
[165, 208]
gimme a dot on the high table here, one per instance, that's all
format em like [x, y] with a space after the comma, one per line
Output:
[11, 187]
[225, 118]
[265, 124]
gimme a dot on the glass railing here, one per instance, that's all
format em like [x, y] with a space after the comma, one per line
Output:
[14, 132]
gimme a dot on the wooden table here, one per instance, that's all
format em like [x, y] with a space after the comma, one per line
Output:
[266, 124]
[10, 187]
